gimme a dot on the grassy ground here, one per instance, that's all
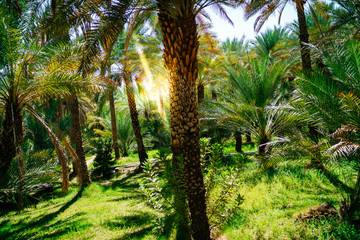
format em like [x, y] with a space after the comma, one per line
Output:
[105, 210]
[115, 209]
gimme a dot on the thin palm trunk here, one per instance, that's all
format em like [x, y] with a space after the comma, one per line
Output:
[213, 95]
[304, 37]
[60, 152]
[201, 92]
[113, 124]
[83, 173]
[134, 115]
[238, 143]
[181, 44]
[305, 58]
[12, 134]
[262, 145]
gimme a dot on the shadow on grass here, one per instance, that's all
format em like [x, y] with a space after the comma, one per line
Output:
[41, 222]
[142, 221]
[124, 182]
[125, 198]
[336, 182]
[74, 223]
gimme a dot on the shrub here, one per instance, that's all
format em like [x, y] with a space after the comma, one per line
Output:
[103, 160]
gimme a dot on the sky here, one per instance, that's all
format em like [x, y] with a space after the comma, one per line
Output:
[224, 30]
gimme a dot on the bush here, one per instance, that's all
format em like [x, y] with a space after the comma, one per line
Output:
[103, 160]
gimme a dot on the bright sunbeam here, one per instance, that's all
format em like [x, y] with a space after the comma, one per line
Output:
[154, 91]
[145, 65]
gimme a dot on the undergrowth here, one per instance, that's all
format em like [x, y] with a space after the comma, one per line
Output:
[263, 204]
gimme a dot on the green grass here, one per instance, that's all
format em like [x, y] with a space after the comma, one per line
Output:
[230, 147]
[134, 157]
[104, 210]
[273, 198]
[115, 209]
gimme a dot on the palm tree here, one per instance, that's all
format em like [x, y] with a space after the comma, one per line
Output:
[209, 68]
[106, 31]
[332, 98]
[347, 13]
[271, 43]
[26, 79]
[255, 103]
[266, 8]
[234, 50]
[180, 39]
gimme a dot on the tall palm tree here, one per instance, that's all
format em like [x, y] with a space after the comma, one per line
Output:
[28, 76]
[106, 30]
[180, 39]
[266, 8]
[50, 31]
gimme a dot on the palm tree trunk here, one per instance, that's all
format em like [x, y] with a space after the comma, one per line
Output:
[181, 44]
[201, 92]
[305, 55]
[135, 120]
[213, 95]
[248, 137]
[113, 124]
[60, 152]
[83, 172]
[238, 143]
[12, 134]
[304, 37]
[262, 146]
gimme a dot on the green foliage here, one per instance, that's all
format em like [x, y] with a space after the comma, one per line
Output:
[332, 229]
[331, 97]
[103, 160]
[222, 185]
[272, 198]
[255, 103]
[125, 133]
[162, 190]
[156, 129]
[35, 130]
[39, 173]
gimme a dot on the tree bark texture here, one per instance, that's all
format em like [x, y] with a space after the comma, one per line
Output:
[12, 134]
[134, 115]
[113, 124]
[305, 57]
[181, 44]
[304, 37]
[83, 172]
